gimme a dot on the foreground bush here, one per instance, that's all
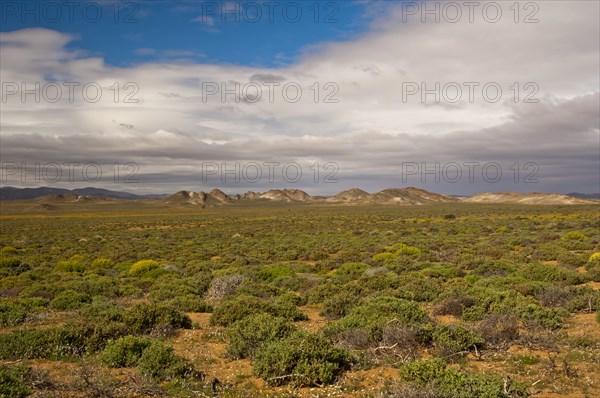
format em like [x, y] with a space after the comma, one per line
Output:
[33, 343]
[124, 352]
[452, 341]
[302, 359]
[449, 383]
[364, 325]
[13, 382]
[143, 318]
[247, 336]
[11, 314]
[241, 306]
[159, 362]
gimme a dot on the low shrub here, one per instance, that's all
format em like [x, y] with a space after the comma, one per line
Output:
[12, 266]
[70, 300]
[142, 267]
[271, 273]
[189, 303]
[239, 307]
[82, 337]
[74, 264]
[453, 306]
[124, 352]
[247, 336]
[499, 329]
[102, 263]
[455, 341]
[350, 271]
[338, 305]
[449, 383]
[14, 381]
[11, 314]
[369, 319]
[321, 292]
[159, 362]
[574, 235]
[143, 318]
[301, 359]
[49, 343]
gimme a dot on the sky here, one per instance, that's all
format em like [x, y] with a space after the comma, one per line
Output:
[162, 96]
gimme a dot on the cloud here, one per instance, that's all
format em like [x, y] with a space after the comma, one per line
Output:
[353, 109]
[205, 19]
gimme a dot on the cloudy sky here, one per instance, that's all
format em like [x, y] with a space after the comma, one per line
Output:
[163, 96]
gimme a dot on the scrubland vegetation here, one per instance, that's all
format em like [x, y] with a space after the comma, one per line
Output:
[457, 300]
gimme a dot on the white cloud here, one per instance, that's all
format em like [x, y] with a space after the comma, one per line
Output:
[368, 131]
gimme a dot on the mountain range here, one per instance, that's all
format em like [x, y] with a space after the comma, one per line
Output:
[409, 196]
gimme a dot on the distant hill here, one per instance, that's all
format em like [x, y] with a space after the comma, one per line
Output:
[12, 193]
[399, 196]
[217, 197]
[534, 198]
[353, 195]
[411, 196]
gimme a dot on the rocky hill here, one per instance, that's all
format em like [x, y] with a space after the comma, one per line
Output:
[400, 196]
[535, 198]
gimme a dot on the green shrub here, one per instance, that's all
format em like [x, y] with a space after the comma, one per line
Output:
[160, 362]
[142, 267]
[239, 307]
[271, 273]
[70, 300]
[74, 264]
[574, 235]
[82, 337]
[11, 314]
[404, 249]
[14, 381]
[594, 258]
[321, 292]
[102, 311]
[124, 352]
[102, 263]
[301, 359]
[547, 273]
[12, 266]
[189, 303]
[372, 316]
[246, 336]
[339, 305]
[8, 250]
[383, 258]
[144, 317]
[349, 271]
[453, 341]
[49, 343]
[449, 383]
[549, 318]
